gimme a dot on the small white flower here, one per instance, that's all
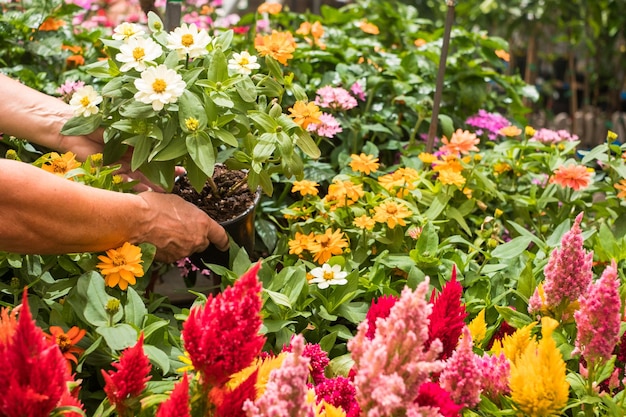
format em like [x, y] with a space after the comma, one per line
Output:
[159, 86]
[243, 63]
[188, 41]
[85, 101]
[136, 52]
[327, 275]
[127, 31]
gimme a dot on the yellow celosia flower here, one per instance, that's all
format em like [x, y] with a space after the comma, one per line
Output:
[304, 114]
[121, 266]
[364, 163]
[278, 45]
[329, 410]
[61, 164]
[450, 177]
[264, 366]
[391, 212]
[326, 245]
[305, 187]
[538, 384]
[301, 243]
[478, 328]
[187, 361]
[515, 344]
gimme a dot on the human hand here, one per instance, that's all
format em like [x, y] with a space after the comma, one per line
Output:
[178, 228]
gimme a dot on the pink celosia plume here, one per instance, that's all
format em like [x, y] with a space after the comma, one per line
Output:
[495, 370]
[318, 360]
[462, 374]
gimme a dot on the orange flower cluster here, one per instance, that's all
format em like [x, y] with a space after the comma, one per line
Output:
[316, 30]
[278, 45]
[321, 246]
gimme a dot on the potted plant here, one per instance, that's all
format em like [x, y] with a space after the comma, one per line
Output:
[186, 98]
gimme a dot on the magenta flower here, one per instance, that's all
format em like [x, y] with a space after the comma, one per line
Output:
[568, 272]
[462, 374]
[598, 318]
[357, 90]
[318, 360]
[222, 337]
[380, 308]
[488, 123]
[178, 403]
[339, 392]
[432, 395]
[388, 369]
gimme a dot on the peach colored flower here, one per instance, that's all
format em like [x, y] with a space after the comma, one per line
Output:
[419, 42]
[510, 131]
[576, 177]
[369, 28]
[461, 142]
[305, 187]
[364, 163]
[503, 55]
[304, 114]
[621, 187]
[269, 8]
[278, 45]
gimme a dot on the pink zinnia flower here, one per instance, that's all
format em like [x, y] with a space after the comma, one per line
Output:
[286, 390]
[598, 319]
[462, 375]
[388, 369]
[448, 317]
[328, 127]
[178, 403]
[129, 378]
[335, 98]
[222, 337]
[568, 272]
[357, 90]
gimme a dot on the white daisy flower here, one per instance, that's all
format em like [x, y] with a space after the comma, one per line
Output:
[84, 101]
[159, 86]
[137, 52]
[127, 31]
[327, 275]
[188, 41]
[242, 63]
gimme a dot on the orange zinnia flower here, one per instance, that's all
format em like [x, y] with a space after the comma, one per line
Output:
[573, 176]
[391, 212]
[304, 114]
[305, 187]
[364, 163]
[61, 164]
[121, 266]
[368, 27]
[270, 8]
[328, 244]
[621, 187]
[51, 24]
[300, 243]
[67, 343]
[448, 176]
[510, 131]
[461, 142]
[278, 45]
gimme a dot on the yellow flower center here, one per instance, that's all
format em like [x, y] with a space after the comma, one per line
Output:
[64, 342]
[244, 61]
[329, 275]
[186, 40]
[129, 31]
[59, 166]
[138, 53]
[119, 260]
[391, 209]
[85, 101]
[159, 85]
[192, 124]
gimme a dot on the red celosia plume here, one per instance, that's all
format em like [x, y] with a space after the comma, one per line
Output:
[178, 403]
[379, 308]
[230, 403]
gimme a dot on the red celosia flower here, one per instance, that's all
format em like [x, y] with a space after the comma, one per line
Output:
[319, 360]
[447, 317]
[339, 392]
[223, 337]
[67, 343]
[505, 329]
[178, 403]
[32, 370]
[230, 403]
[379, 308]
[432, 395]
[130, 377]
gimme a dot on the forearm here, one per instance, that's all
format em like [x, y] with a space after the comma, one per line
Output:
[46, 214]
[28, 114]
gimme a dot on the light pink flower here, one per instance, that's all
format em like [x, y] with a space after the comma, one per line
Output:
[328, 127]
[495, 370]
[462, 376]
[357, 90]
[598, 319]
[335, 98]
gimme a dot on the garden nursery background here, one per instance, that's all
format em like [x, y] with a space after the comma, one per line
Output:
[435, 223]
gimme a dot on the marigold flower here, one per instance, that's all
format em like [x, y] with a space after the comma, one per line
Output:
[542, 364]
[364, 222]
[621, 187]
[324, 246]
[369, 28]
[278, 45]
[461, 142]
[188, 41]
[510, 131]
[159, 86]
[391, 212]
[304, 114]
[269, 8]
[301, 243]
[327, 275]
[305, 187]
[84, 101]
[67, 342]
[450, 177]
[364, 163]
[576, 177]
[61, 164]
[121, 266]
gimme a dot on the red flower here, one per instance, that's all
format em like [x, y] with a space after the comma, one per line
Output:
[447, 317]
[230, 403]
[222, 337]
[32, 370]
[432, 395]
[130, 377]
[380, 308]
[319, 360]
[67, 343]
[178, 403]
[339, 392]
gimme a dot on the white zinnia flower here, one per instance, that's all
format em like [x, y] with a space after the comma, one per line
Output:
[137, 52]
[159, 86]
[85, 101]
[243, 63]
[127, 31]
[187, 40]
[327, 275]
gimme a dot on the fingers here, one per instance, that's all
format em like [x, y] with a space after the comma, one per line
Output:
[217, 235]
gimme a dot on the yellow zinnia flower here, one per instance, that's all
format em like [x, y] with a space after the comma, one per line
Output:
[305, 187]
[121, 266]
[448, 176]
[304, 114]
[391, 212]
[364, 222]
[61, 164]
[538, 384]
[278, 45]
[326, 245]
[364, 163]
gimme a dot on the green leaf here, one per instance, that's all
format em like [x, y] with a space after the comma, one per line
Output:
[118, 337]
[455, 214]
[226, 137]
[447, 125]
[141, 152]
[274, 68]
[246, 90]
[218, 69]
[201, 152]
[305, 142]
[80, 125]
[328, 342]
[513, 317]
[512, 248]
[190, 106]
[278, 298]
[134, 309]
[89, 299]
[263, 121]
[157, 357]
